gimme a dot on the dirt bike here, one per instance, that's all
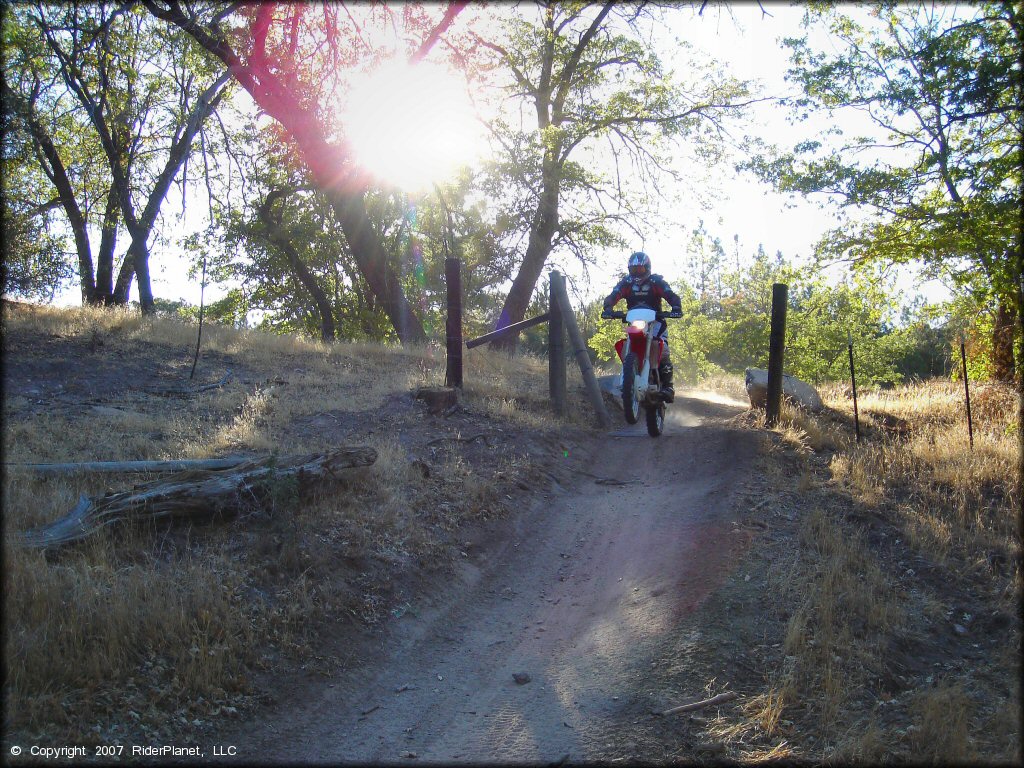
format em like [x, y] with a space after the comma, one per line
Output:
[641, 384]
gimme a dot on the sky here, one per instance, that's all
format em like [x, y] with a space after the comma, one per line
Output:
[747, 40]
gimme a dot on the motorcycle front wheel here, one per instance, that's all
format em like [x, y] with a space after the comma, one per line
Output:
[655, 420]
[630, 396]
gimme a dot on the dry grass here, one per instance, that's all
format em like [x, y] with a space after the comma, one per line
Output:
[942, 732]
[856, 594]
[846, 609]
[952, 498]
[802, 431]
[158, 631]
[730, 386]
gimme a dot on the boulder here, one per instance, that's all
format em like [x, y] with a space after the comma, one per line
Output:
[799, 392]
[611, 384]
[611, 389]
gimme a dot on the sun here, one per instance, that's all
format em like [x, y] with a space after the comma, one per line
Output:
[410, 126]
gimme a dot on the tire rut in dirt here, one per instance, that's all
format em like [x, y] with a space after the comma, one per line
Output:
[584, 598]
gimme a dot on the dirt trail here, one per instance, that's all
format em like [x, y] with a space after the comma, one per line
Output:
[586, 590]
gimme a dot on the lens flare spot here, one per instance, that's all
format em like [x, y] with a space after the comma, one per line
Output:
[411, 126]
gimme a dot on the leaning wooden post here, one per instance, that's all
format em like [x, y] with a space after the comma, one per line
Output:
[199, 337]
[967, 392]
[556, 345]
[776, 344]
[453, 325]
[579, 350]
[853, 382]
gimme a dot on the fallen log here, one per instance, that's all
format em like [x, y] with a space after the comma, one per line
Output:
[719, 699]
[170, 465]
[199, 495]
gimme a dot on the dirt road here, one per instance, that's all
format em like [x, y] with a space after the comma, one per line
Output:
[536, 650]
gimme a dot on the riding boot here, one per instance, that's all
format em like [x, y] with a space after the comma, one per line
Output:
[668, 394]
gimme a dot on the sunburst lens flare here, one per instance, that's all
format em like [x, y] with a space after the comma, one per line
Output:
[411, 126]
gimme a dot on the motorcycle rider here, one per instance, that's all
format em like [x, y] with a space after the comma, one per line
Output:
[642, 289]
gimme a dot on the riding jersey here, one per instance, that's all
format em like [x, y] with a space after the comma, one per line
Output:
[644, 292]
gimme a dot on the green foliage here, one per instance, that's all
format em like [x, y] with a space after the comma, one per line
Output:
[731, 333]
[35, 263]
[594, 81]
[939, 181]
[95, 100]
[825, 318]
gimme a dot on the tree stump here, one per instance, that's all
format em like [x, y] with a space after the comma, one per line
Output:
[438, 399]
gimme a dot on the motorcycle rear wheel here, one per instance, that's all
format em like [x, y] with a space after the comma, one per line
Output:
[630, 396]
[655, 420]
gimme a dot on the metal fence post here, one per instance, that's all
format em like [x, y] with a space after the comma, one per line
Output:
[776, 344]
[967, 392]
[853, 382]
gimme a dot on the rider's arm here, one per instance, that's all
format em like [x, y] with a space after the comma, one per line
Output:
[670, 296]
[618, 292]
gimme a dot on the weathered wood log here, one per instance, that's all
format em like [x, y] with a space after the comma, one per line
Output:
[171, 465]
[719, 699]
[199, 494]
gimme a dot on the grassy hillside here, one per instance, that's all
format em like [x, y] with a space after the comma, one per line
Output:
[882, 587]
[172, 625]
[895, 572]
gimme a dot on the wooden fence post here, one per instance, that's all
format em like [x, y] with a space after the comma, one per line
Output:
[556, 344]
[776, 344]
[453, 323]
[582, 358]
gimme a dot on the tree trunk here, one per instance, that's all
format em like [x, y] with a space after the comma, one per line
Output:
[138, 254]
[124, 282]
[281, 239]
[1003, 367]
[328, 163]
[105, 257]
[140, 228]
[372, 259]
[542, 234]
[54, 168]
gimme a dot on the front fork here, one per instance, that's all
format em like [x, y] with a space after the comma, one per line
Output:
[649, 368]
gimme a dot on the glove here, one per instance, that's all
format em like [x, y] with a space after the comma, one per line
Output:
[606, 314]
[675, 313]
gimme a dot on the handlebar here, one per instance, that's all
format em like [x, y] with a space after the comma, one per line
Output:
[612, 315]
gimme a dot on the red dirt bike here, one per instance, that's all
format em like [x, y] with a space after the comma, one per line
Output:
[640, 353]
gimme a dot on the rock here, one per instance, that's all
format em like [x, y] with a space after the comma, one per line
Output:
[960, 629]
[611, 384]
[521, 678]
[611, 390]
[792, 388]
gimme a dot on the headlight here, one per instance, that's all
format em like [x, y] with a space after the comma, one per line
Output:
[640, 325]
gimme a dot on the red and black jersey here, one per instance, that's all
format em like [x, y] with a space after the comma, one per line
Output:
[644, 292]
